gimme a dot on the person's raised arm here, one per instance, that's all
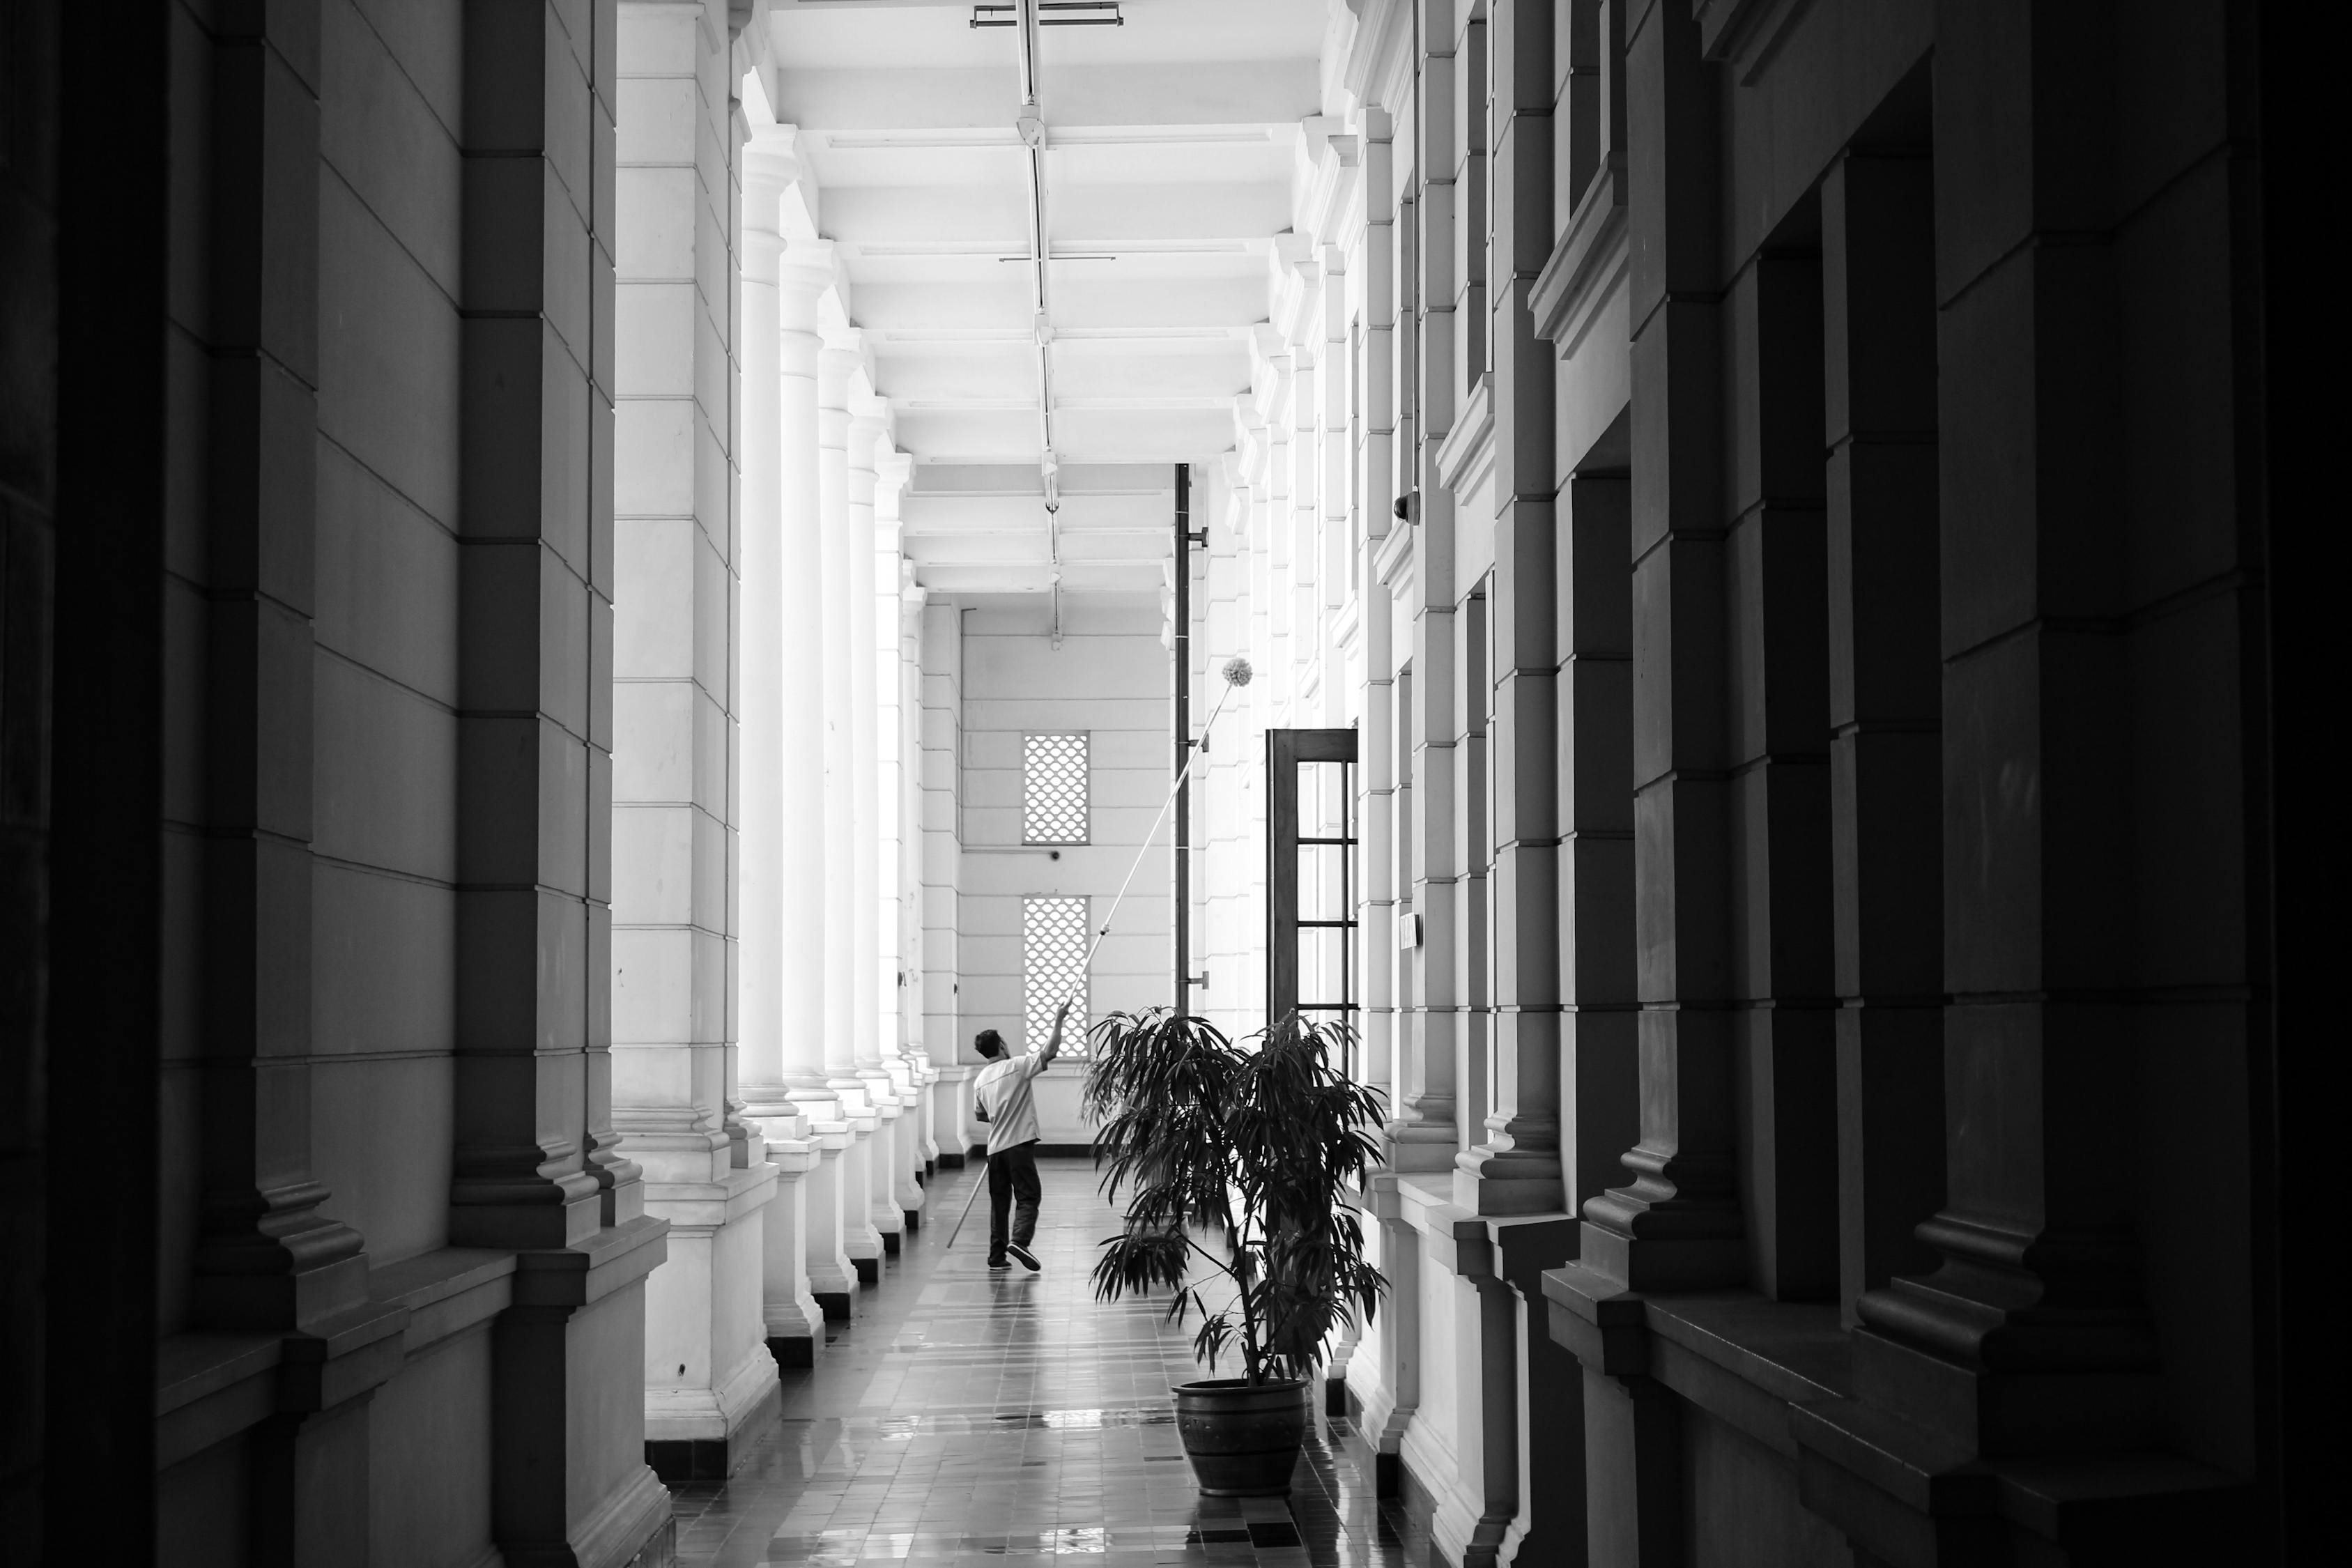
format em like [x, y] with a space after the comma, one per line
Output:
[1053, 1041]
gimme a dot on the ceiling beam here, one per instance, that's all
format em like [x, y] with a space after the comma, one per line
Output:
[990, 220]
[1269, 93]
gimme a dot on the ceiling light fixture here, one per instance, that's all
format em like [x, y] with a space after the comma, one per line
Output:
[1029, 124]
[1063, 14]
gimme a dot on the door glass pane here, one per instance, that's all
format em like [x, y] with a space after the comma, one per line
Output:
[1321, 977]
[1322, 800]
[1322, 893]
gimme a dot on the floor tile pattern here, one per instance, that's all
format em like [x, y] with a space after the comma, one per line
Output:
[966, 1416]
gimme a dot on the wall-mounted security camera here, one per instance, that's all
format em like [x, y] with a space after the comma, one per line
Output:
[1408, 506]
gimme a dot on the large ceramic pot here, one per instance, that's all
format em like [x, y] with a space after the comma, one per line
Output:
[1242, 1441]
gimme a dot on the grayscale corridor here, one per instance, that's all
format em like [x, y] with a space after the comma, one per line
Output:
[672, 670]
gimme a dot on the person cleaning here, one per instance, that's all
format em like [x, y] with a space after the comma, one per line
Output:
[1008, 1104]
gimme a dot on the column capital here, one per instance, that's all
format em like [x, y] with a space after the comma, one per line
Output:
[869, 424]
[840, 359]
[806, 269]
[773, 152]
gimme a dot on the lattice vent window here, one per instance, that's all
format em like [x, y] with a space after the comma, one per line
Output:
[1053, 967]
[1053, 789]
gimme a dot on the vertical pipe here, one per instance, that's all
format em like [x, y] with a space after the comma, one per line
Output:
[1180, 888]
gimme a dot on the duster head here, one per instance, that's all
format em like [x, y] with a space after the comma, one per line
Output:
[1237, 671]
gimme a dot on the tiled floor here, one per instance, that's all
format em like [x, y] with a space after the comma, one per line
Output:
[971, 1417]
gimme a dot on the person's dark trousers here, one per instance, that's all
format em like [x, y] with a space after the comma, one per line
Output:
[1012, 1175]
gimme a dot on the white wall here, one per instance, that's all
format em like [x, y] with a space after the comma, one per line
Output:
[1111, 679]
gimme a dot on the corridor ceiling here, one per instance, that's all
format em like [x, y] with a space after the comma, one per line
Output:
[1171, 151]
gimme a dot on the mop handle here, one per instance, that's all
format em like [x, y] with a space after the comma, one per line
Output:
[978, 1181]
[1151, 833]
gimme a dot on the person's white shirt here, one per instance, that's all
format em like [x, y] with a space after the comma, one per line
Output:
[1006, 1090]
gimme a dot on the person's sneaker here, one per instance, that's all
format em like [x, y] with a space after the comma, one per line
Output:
[1023, 1255]
[998, 1264]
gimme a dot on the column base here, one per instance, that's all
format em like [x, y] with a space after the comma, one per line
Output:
[891, 1242]
[680, 1459]
[914, 1219]
[2008, 1414]
[1669, 1262]
[1484, 1184]
[1420, 1146]
[837, 1306]
[634, 1526]
[869, 1270]
[1364, 1418]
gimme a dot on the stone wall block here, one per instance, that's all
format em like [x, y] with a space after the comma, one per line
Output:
[1593, 558]
[1774, 352]
[1595, 768]
[1678, 397]
[1526, 416]
[1879, 288]
[264, 216]
[1882, 565]
[1679, 914]
[1890, 1086]
[1779, 634]
[1672, 163]
[1437, 273]
[1596, 891]
[1885, 788]
[1525, 766]
[504, 403]
[263, 463]
[2025, 367]
[2042, 160]
[1681, 665]
[1787, 1147]
[1523, 32]
[1780, 882]
[1527, 906]
[1993, 832]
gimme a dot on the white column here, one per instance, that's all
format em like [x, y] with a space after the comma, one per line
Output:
[837, 364]
[866, 429]
[910, 873]
[887, 650]
[773, 777]
[804, 274]
[709, 1375]
[868, 426]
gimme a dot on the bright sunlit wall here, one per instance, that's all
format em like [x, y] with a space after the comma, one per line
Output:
[1108, 680]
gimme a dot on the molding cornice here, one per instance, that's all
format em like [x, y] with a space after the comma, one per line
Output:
[1588, 259]
[1347, 624]
[1746, 33]
[1467, 456]
[1337, 171]
[1392, 561]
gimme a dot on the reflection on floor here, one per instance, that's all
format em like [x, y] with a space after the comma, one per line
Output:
[973, 1416]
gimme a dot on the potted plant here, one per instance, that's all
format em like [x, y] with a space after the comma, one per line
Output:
[1237, 1155]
